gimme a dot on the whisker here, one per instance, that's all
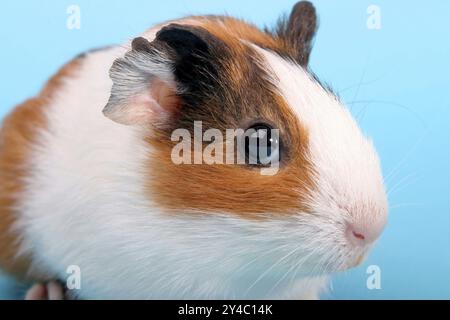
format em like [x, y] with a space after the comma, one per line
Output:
[248, 264]
[361, 113]
[365, 83]
[392, 103]
[361, 80]
[268, 270]
[280, 280]
[402, 162]
[292, 268]
[402, 205]
[298, 266]
[402, 183]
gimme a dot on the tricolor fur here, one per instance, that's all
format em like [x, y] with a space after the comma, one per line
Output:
[80, 189]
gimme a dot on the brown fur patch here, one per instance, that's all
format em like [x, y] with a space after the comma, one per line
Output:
[17, 137]
[232, 188]
[292, 38]
[241, 94]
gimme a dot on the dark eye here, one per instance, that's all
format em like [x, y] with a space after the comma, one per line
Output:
[262, 145]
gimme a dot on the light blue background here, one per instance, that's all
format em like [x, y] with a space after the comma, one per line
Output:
[396, 81]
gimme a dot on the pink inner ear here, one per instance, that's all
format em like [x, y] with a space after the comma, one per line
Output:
[155, 105]
[143, 109]
[165, 95]
[166, 103]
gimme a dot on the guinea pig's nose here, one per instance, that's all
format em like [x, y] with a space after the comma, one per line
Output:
[360, 234]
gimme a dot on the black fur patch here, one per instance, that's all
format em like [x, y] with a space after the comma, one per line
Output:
[194, 52]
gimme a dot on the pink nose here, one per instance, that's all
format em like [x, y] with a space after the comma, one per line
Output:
[361, 235]
[358, 235]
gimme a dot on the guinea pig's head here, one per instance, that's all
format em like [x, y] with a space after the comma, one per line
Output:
[326, 198]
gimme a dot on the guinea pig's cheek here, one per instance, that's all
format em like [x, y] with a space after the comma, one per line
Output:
[224, 189]
[235, 189]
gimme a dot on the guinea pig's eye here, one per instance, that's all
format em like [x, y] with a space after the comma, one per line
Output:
[262, 145]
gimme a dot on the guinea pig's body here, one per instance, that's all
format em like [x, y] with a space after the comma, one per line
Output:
[81, 190]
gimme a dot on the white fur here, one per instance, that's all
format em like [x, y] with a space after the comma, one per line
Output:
[350, 187]
[85, 204]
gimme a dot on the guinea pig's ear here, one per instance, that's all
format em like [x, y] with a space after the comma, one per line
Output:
[152, 81]
[144, 89]
[299, 30]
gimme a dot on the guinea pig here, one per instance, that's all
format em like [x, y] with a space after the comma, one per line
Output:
[88, 177]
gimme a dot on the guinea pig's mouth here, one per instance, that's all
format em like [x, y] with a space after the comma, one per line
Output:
[336, 243]
[331, 260]
[332, 250]
[353, 256]
[335, 266]
[352, 262]
[359, 260]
